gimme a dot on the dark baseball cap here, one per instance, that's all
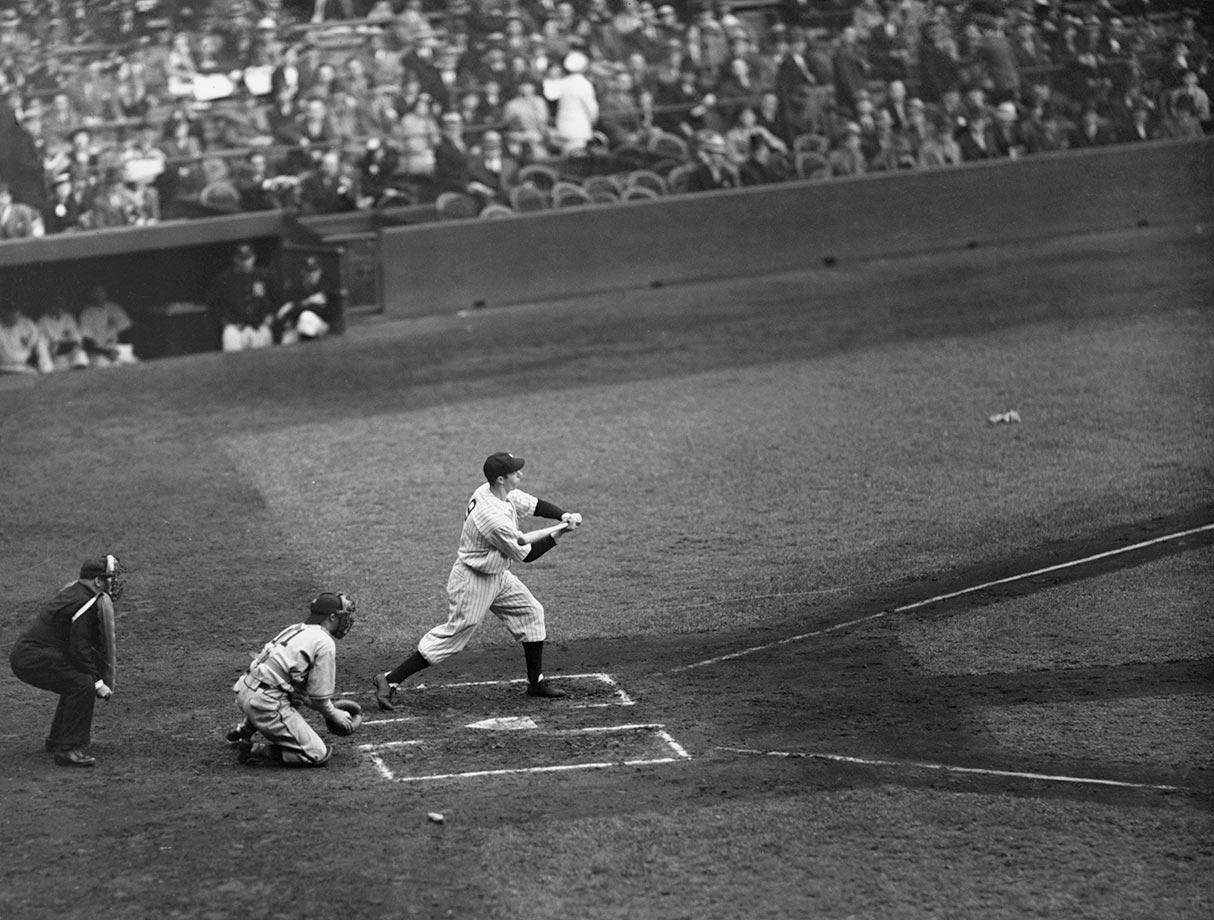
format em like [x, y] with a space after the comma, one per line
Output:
[502, 464]
[97, 568]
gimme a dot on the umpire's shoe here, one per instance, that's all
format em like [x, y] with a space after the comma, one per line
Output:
[74, 758]
[543, 688]
[384, 691]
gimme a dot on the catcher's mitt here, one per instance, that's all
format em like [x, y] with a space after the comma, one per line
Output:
[356, 717]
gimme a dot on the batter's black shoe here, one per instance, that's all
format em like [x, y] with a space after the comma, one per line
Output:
[237, 734]
[74, 758]
[544, 689]
[384, 692]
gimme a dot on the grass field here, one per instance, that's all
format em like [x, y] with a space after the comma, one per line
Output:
[760, 462]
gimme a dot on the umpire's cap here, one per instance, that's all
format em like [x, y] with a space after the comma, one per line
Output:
[502, 464]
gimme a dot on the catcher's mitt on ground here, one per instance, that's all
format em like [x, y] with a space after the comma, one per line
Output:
[356, 717]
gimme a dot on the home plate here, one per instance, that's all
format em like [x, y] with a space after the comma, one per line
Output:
[506, 724]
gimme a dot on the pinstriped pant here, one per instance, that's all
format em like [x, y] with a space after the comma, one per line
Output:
[470, 596]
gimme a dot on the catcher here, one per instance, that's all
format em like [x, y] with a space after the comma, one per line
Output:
[296, 668]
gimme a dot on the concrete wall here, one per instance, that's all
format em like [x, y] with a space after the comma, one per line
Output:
[450, 266]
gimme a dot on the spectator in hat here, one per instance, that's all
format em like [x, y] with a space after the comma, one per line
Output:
[313, 306]
[1005, 130]
[418, 135]
[745, 128]
[577, 107]
[713, 169]
[526, 116]
[851, 68]
[244, 298]
[106, 330]
[976, 141]
[1092, 131]
[66, 207]
[491, 171]
[115, 205]
[330, 187]
[847, 158]
[938, 148]
[451, 173]
[762, 166]
[23, 348]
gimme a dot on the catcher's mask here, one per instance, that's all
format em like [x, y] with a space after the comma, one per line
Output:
[107, 567]
[339, 605]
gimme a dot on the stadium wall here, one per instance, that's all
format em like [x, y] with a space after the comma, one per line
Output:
[443, 267]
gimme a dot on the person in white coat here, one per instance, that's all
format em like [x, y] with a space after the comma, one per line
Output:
[577, 107]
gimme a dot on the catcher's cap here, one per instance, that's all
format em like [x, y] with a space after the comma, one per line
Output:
[329, 603]
[99, 567]
[502, 464]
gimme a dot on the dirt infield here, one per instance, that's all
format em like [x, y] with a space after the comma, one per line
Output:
[763, 720]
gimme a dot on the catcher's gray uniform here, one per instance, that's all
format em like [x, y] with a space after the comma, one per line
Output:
[302, 659]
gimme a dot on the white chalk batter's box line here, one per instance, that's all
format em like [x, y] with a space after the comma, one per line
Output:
[678, 753]
[620, 698]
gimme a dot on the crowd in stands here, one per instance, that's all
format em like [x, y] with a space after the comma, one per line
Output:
[126, 112]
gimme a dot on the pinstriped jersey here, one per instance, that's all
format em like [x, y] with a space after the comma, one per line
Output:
[489, 539]
[302, 657]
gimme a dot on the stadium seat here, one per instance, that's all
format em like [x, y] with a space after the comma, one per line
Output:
[811, 165]
[456, 206]
[664, 145]
[818, 143]
[676, 182]
[527, 197]
[492, 211]
[647, 178]
[640, 193]
[568, 194]
[540, 175]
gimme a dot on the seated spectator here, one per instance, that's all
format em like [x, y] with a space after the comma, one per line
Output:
[329, 188]
[115, 205]
[893, 151]
[244, 299]
[105, 328]
[847, 158]
[490, 171]
[1189, 88]
[976, 141]
[311, 308]
[745, 128]
[938, 146]
[621, 113]
[63, 337]
[17, 220]
[1009, 141]
[1141, 127]
[258, 190]
[23, 349]
[67, 206]
[763, 166]
[1093, 131]
[378, 182]
[713, 169]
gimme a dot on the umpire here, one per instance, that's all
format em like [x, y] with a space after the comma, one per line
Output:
[69, 650]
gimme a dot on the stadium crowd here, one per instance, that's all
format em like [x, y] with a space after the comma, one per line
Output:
[124, 112]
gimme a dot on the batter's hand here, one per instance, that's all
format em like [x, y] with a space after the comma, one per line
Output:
[572, 519]
[103, 690]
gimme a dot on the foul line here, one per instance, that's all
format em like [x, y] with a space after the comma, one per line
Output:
[948, 768]
[946, 597]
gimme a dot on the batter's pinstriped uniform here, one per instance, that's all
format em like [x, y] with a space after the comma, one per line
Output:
[481, 580]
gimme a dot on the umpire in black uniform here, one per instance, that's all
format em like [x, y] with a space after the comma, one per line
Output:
[69, 650]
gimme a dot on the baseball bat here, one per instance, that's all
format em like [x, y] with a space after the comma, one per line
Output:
[535, 536]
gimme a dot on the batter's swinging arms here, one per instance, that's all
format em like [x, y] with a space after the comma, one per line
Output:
[481, 579]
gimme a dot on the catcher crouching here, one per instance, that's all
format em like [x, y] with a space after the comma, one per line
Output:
[298, 667]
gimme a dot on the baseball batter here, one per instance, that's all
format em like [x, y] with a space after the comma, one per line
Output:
[298, 666]
[481, 580]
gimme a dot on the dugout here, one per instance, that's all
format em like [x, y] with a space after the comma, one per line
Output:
[159, 273]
